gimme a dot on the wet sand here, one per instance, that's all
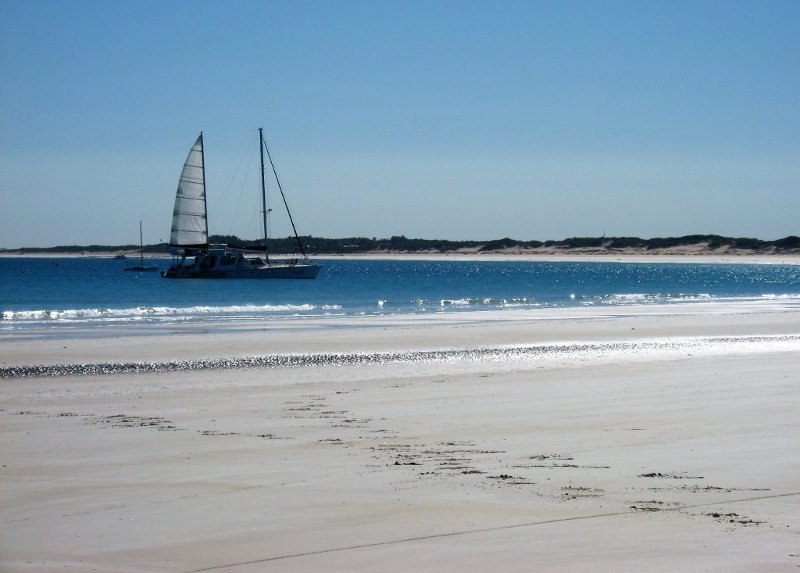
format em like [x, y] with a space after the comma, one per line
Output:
[657, 438]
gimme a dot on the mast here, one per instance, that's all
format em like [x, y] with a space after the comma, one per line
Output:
[263, 191]
[203, 168]
[141, 246]
[280, 188]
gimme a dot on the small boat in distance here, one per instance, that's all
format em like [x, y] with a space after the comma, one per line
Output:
[140, 268]
[195, 258]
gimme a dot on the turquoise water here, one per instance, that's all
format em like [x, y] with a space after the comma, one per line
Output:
[87, 292]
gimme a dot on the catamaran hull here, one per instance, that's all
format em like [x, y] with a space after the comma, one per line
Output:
[270, 272]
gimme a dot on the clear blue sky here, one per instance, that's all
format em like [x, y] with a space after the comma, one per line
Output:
[458, 120]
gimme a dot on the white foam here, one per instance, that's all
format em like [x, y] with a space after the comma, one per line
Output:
[155, 313]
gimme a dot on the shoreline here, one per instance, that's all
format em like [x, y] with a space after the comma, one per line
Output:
[467, 329]
[648, 438]
[393, 333]
[632, 257]
[624, 256]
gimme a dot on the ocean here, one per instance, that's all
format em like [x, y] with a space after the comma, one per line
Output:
[72, 293]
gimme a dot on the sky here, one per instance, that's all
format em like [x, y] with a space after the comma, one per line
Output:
[532, 120]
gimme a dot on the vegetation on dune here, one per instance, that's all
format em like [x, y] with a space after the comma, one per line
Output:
[402, 244]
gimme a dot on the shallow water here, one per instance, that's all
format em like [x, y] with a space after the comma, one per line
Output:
[95, 292]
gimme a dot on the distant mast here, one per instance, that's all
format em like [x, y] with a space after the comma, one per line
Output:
[141, 245]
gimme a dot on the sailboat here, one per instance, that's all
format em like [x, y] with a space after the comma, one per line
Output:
[194, 257]
[140, 267]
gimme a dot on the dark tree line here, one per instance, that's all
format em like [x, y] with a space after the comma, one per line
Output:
[402, 244]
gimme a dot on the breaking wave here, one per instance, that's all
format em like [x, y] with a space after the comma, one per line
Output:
[47, 317]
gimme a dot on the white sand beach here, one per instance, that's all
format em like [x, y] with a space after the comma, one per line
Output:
[659, 438]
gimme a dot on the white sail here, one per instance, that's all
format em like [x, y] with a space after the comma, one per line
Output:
[189, 222]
